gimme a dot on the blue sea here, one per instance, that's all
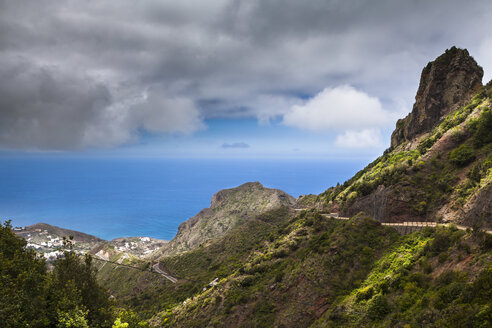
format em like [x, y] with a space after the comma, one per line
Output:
[122, 197]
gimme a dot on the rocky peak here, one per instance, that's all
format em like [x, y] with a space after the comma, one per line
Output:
[229, 208]
[223, 195]
[445, 84]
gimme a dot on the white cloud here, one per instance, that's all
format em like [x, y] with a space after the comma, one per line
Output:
[369, 138]
[162, 114]
[340, 108]
[484, 59]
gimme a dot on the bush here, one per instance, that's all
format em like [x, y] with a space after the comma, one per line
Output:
[462, 156]
[483, 134]
[426, 144]
[378, 307]
[364, 294]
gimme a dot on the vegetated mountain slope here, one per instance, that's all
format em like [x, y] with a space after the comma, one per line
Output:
[322, 272]
[309, 270]
[431, 172]
[229, 208]
[149, 292]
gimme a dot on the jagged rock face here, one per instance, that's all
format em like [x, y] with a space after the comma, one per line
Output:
[229, 208]
[445, 84]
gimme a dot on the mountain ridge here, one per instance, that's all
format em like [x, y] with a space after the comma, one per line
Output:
[228, 209]
[441, 174]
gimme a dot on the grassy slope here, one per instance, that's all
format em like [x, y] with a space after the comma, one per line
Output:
[426, 178]
[149, 293]
[433, 278]
[322, 272]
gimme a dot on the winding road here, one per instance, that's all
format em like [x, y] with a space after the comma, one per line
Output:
[164, 273]
[409, 224]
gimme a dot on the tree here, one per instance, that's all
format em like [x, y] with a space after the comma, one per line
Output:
[75, 290]
[23, 278]
[30, 296]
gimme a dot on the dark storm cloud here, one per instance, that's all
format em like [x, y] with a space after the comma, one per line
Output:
[93, 73]
[43, 107]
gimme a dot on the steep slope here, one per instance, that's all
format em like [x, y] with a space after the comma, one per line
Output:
[229, 208]
[436, 172]
[323, 272]
[149, 292]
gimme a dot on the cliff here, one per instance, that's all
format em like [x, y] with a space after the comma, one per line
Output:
[445, 84]
[439, 168]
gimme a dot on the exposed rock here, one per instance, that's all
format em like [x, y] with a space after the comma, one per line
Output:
[229, 208]
[389, 204]
[445, 84]
[478, 211]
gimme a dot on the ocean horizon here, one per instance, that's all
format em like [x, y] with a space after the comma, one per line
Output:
[115, 197]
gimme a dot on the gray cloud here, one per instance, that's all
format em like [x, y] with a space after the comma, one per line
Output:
[43, 107]
[80, 74]
[235, 145]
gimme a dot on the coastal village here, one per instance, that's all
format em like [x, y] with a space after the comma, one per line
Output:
[48, 242]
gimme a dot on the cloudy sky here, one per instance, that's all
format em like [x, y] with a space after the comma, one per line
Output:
[221, 78]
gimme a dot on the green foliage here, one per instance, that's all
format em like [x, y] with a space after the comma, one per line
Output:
[480, 169]
[73, 318]
[74, 284]
[462, 156]
[119, 324]
[30, 296]
[263, 314]
[483, 133]
[364, 294]
[23, 283]
[129, 319]
[378, 307]
[405, 293]
[197, 268]
[426, 144]
[330, 258]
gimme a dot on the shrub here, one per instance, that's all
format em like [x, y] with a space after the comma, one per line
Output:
[457, 134]
[378, 307]
[425, 145]
[483, 134]
[462, 156]
[364, 294]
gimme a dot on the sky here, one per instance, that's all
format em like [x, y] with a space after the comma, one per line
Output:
[221, 78]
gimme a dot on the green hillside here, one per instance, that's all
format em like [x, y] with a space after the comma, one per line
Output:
[319, 272]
